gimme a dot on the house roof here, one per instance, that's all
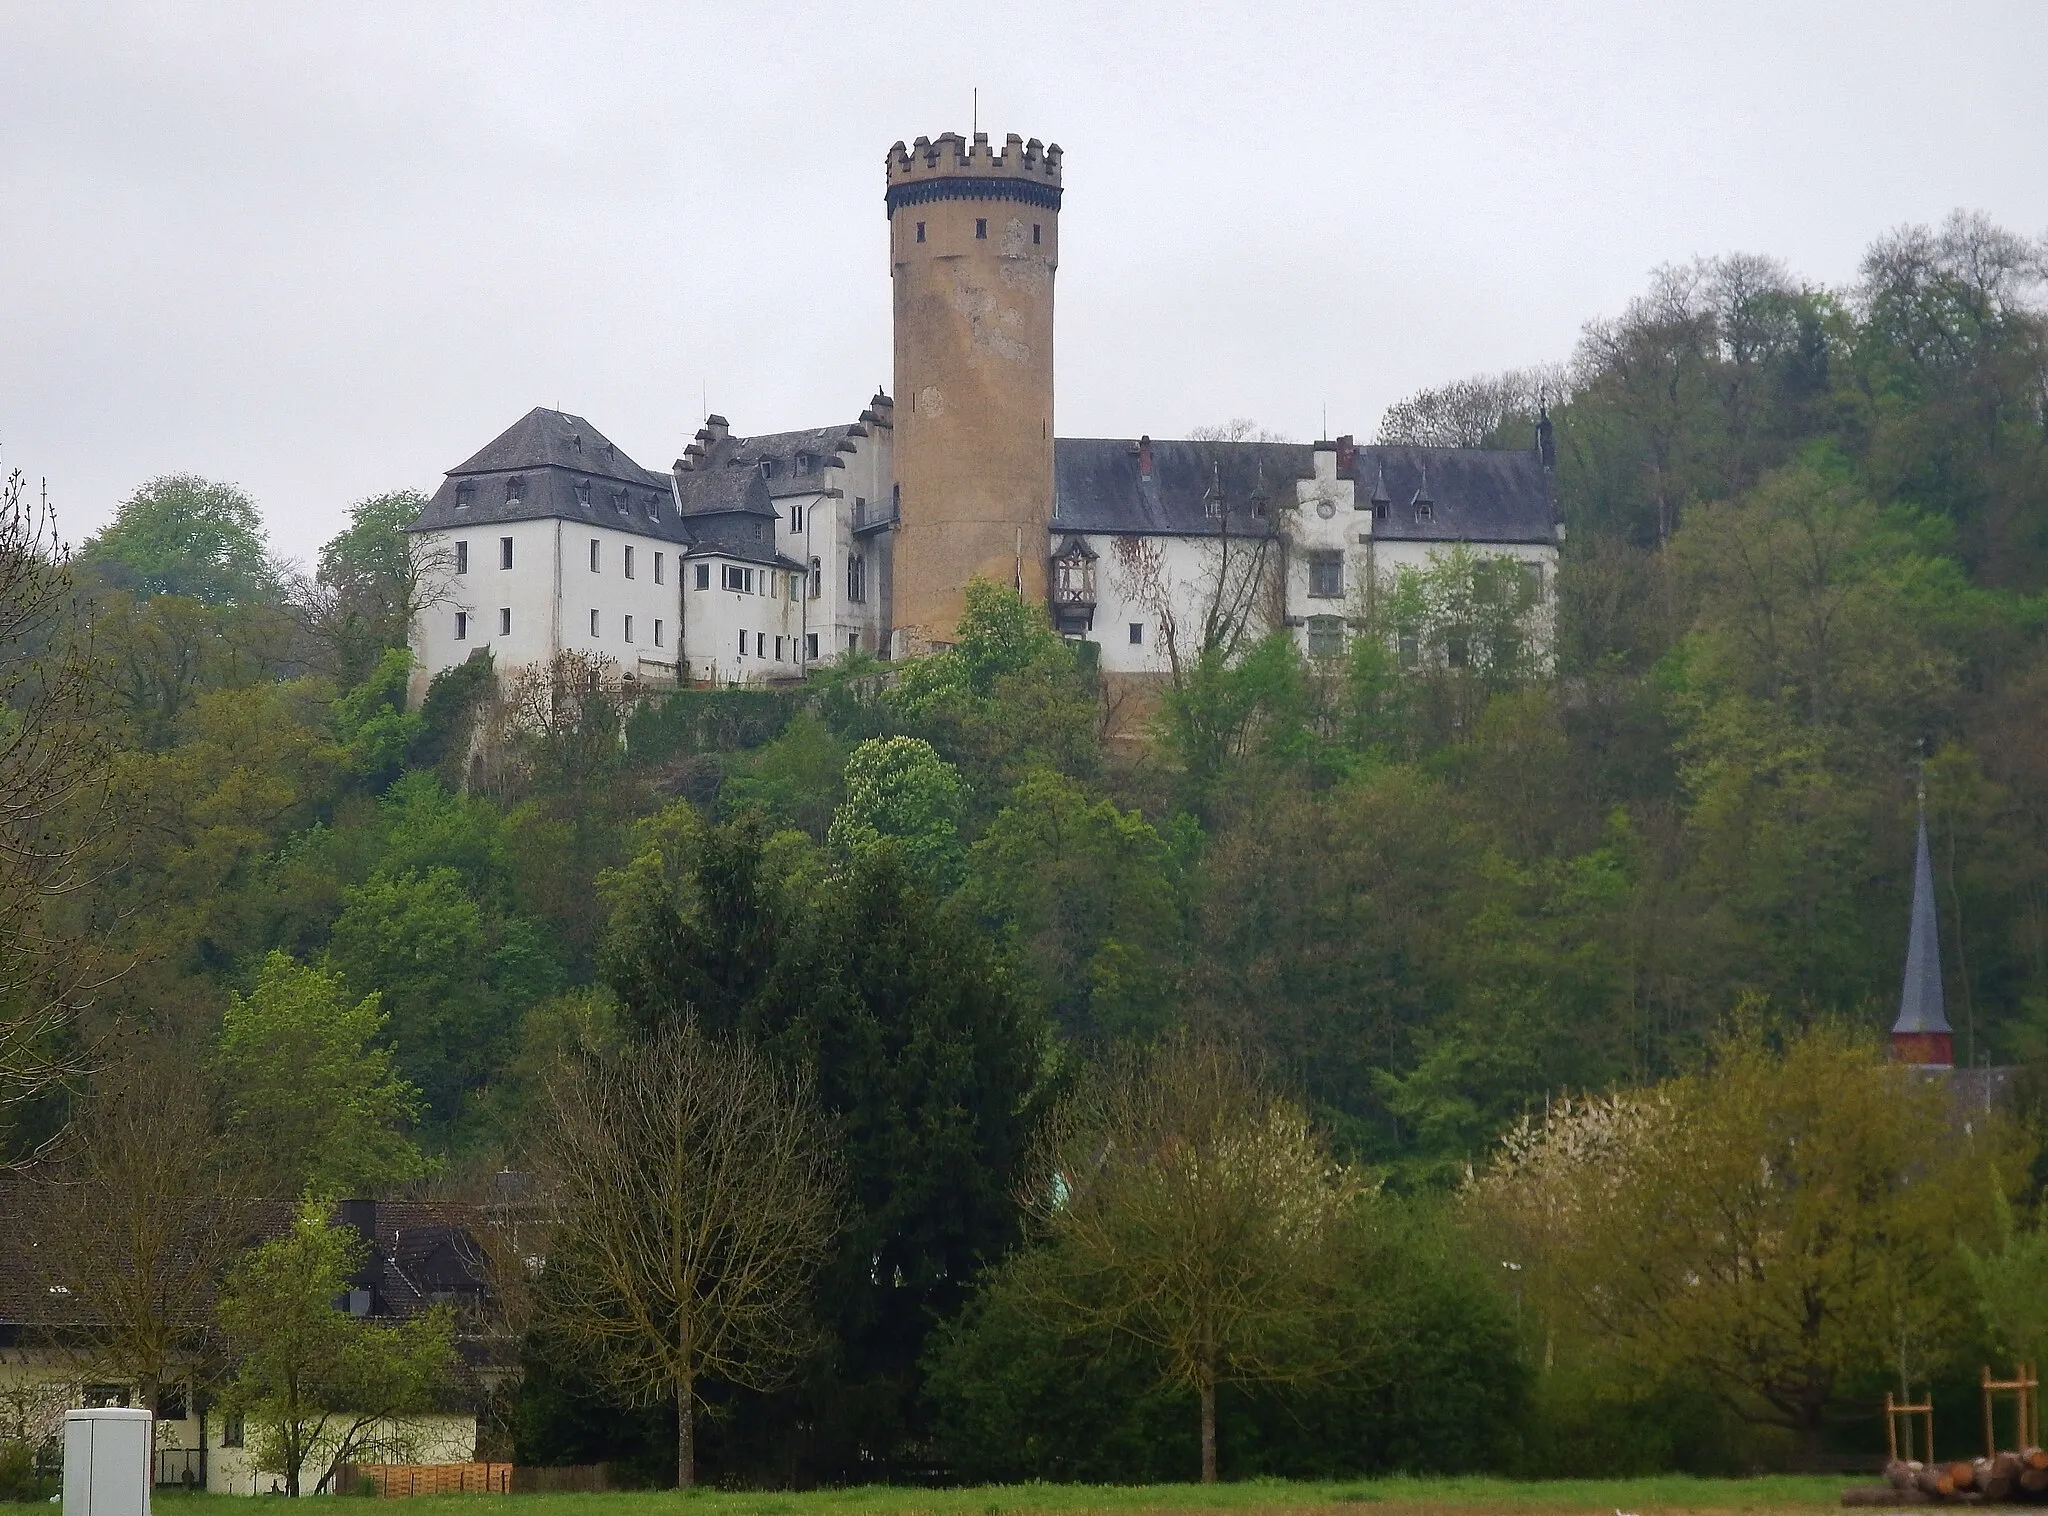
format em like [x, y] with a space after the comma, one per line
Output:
[550, 465]
[1476, 494]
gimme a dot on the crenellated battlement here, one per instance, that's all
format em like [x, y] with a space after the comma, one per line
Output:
[953, 168]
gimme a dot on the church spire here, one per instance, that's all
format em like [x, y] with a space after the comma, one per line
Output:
[1922, 1034]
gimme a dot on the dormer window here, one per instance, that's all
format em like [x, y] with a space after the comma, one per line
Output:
[515, 490]
[619, 501]
[583, 493]
[767, 468]
[1073, 574]
[805, 462]
[465, 496]
[1425, 511]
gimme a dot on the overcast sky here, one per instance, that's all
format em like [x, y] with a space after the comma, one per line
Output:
[329, 250]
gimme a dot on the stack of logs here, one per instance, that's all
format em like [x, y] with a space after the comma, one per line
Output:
[2003, 1477]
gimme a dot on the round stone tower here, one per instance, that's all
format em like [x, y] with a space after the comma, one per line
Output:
[974, 239]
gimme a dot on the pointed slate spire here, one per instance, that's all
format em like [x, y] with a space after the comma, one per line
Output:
[1922, 1034]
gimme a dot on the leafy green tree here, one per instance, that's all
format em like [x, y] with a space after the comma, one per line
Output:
[1761, 1225]
[373, 578]
[317, 1387]
[796, 780]
[1188, 1208]
[2011, 1280]
[899, 789]
[312, 1101]
[183, 535]
[1089, 894]
[375, 728]
[422, 941]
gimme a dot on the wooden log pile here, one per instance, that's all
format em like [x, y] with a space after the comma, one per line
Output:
[2002, 1479]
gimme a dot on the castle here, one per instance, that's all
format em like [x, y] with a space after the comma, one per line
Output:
[756, 557]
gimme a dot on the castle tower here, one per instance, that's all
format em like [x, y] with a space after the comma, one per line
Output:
[973, 245]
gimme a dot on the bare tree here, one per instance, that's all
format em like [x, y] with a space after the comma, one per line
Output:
[1191, 1208]
[137, 1216]
[697, 1200]
[1473, 412]
[52, 794]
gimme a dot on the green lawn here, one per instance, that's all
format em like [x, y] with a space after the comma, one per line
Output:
[1411, 1497]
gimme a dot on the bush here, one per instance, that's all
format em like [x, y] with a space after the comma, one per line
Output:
[18, 1477]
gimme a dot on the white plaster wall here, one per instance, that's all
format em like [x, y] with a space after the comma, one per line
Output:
[550, 591]
[713, 619]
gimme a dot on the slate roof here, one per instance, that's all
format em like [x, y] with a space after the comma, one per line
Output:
[805, 462]
[1476, 494]
[1921, 1008]
[421, 1251]
[549, 465]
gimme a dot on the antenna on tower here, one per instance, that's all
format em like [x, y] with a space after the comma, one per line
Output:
[975, 115]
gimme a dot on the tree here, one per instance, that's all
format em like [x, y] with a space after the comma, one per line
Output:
[1759, 1226]
[373, 578]
[311, 1099]
[313, 1384]
[183, 535]
[53, 763]
[2011, 1282]
[1188, 1207]
[899, 788]
[137, 1215]
[697, 1197]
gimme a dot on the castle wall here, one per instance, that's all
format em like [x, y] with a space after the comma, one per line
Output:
[973, 249]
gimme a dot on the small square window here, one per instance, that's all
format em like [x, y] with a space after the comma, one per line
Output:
[981, 228]
[462, 557]
[462, 626]
[920, 231]
[703, 576]
[505, 621]
[593, 624]
[1137, 634]
[504, 552]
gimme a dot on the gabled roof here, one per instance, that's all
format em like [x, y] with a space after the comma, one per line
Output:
[1476, 494]
[1921, 1007]
[805, 462]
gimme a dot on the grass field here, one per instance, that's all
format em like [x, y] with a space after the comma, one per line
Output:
[1664, 1495]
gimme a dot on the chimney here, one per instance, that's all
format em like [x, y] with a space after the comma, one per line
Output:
[1347, 453]
[717, 426]
[1144, 457]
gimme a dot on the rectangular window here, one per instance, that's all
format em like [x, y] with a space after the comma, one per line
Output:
[231, 1431]
[593, 623]
[629, 629]
[743, 644]
[920, 231]
[1035, 229]
[465, 496]
[462, 626]
[810, 644]
[462, 557]
[657, 568]
[981, 228]
[657, 632]
[1326, 575]
[1532, 577]
[1325, 636]
[1408, 647]
[1137, 634]
[593, 555]
[796, 518]
[629, 562]
[703, 576]
[795, 586]
[853, 642]
[856, 579]
[505, 621]
[504, 552]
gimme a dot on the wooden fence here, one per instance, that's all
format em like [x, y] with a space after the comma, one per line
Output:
[395, 1481]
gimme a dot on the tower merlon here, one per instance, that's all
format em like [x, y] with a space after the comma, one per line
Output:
[954, 168]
